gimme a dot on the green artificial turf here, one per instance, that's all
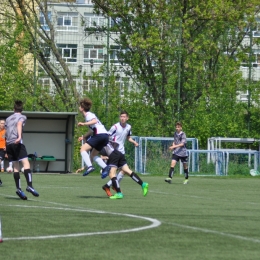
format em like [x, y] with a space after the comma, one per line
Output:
[210, 218]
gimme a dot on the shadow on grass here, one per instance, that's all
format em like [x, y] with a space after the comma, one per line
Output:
[92, 197]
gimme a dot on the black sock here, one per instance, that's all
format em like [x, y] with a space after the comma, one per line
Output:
[171, 172]
[136, 178]
[115, 184]
[28, 176]
[17, 180]
[186, 173]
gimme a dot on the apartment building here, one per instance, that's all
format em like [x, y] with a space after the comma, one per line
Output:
[83, 49]
[85, 52]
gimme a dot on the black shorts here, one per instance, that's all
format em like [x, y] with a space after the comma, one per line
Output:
[16, 152]
[2, 154]
[116, 159]
[98, 141]
[177, 158]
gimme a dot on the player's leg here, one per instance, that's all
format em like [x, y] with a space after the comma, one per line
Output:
[105, 168]
[115, 183]
[175, 159]
[2, 170]
[28, 176]
[2, 156]
[85, 148]
[119, 177]
[17, 180]
[186, 171]
[136, 178]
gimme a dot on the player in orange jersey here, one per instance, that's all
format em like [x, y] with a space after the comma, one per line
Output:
[2, 145]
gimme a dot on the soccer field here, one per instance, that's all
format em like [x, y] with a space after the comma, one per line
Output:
[210, 218]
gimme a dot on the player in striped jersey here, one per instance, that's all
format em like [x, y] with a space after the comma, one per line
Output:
[179, 152]
[120, 132]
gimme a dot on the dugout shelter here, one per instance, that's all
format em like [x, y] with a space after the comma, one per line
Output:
[51, 136]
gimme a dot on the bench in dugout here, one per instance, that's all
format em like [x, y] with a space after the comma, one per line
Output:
[44, 158]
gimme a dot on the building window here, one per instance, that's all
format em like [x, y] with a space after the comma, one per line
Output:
[43, 22]
[94, 20]
[67, 21]
[46, 50]
[122, 85]
[68, 52]
[93, 52]
[255, 60]
[45, 83]
[89, 84]
[256, 28]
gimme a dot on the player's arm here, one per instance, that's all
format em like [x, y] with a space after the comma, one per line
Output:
[19, 132]
[131, 140]
[91, 122]
[85, 136]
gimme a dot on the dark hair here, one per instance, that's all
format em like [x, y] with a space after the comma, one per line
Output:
[178, 123]
[86, 104]
[123, 112]
[18, 106]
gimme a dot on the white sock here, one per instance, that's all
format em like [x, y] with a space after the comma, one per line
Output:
[109, 183]
[99, 161]
[120, 176]
[86, 159]
[10, 164]
[2, 164]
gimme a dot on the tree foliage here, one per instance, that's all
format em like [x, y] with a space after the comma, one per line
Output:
[186, 55]
[182, 58]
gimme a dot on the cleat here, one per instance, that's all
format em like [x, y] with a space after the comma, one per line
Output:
[105, 172]
[1, 183]
[107, 191]
[145, 186]
[33, 191]
[2, 169]
[89, 170]
[118, 195]
[21, 194]
[169, 180]
[186, 181]
[114, 189]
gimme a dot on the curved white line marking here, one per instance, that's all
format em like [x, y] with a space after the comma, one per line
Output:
[155, 223]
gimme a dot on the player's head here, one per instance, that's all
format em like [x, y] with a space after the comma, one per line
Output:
[18, 106]
[2, 124]
[85, 104]
[123, 117]
[178, 126]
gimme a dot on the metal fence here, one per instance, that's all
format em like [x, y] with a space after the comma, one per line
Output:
[152, 156]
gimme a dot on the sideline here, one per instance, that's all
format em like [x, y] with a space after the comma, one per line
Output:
[204, 230]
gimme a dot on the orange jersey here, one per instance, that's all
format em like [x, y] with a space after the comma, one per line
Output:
[2, 139]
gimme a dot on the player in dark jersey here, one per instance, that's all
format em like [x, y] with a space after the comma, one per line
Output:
[117, 160]
[179, 152]
[16, 150]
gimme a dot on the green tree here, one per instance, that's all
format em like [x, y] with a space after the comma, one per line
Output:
[185, 55]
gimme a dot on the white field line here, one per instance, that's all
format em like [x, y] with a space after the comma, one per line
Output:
[204, 230]
[154, 223]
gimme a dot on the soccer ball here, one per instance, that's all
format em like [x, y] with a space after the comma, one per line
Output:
[254, 172]
[9, 169]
